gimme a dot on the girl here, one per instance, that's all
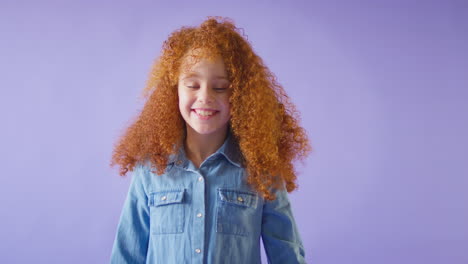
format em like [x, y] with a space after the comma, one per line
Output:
[211, 156]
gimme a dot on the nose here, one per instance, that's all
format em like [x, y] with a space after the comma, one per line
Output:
[205, 95]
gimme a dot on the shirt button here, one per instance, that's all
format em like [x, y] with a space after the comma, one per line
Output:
[198, 250]
[240, 199]
[200, 178]
[163, 198]
[199, 215]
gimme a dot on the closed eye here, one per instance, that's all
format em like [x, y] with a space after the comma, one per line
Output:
[216, 89]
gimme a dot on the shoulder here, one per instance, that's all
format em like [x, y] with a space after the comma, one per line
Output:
[142, 175]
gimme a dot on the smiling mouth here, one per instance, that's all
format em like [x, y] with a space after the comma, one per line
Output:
[205, 113]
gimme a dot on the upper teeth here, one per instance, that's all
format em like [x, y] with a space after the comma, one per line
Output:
[205, 113]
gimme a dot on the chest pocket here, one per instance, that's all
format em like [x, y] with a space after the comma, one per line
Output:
[236, 210]
[167, 211]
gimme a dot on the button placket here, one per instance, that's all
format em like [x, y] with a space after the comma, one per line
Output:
[199, 198]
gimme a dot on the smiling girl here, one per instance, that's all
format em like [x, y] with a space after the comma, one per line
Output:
[211, 156]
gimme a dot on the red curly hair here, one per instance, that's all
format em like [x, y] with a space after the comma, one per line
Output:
[263, 120]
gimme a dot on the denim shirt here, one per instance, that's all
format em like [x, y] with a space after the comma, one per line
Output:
[203, 215]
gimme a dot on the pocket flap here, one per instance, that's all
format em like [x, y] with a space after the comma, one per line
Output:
[166, 197]
[238, 197]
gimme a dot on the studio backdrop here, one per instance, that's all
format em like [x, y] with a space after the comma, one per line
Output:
[381, 87]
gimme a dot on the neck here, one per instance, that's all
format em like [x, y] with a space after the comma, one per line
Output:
[198, 147]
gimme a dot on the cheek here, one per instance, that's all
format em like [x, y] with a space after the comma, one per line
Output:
[226, 104]
[182, 104]
[182, 99]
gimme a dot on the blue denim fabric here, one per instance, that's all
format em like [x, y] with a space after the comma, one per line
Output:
[206, 215]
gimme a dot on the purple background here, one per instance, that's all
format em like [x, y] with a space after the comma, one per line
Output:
[381, 85]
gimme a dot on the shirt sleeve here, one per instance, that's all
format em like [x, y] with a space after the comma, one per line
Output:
[131, 239]
[280, 235]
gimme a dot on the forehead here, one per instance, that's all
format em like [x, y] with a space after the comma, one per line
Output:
[197, 63]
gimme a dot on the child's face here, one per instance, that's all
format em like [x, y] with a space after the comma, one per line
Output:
[204, 96]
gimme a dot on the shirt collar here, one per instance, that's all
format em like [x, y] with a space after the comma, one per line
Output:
[230, 150]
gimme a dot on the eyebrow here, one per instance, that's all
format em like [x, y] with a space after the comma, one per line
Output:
[193, 74]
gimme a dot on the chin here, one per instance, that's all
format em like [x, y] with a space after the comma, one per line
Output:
[206, 131]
